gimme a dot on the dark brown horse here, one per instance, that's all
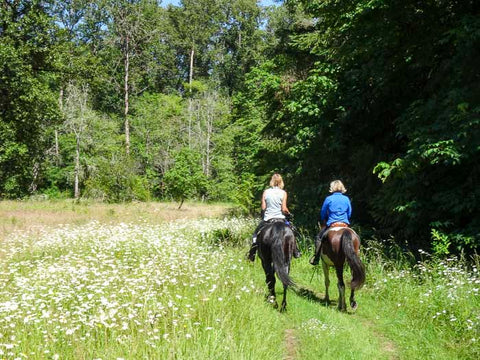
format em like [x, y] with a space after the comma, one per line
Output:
[340, 244]
[276, 243]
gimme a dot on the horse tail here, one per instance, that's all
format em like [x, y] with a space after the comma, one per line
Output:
[282, 249]
[356, 265]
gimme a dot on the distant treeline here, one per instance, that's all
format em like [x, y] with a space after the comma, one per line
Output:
[130, 100]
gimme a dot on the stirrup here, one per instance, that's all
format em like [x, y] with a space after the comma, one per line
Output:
[313, 261]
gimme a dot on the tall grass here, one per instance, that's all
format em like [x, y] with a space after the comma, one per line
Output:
[29, 214]
[430, 307]
[141, 288]
[130, 291]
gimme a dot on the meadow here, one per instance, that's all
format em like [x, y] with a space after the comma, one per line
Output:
[149, 281]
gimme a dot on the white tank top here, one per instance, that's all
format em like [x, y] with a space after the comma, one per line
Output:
[273, 199]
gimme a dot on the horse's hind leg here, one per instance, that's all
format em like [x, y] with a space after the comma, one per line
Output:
[342, 306]
[285, 287]
[353, 303]
[270, 280]
[327, 282]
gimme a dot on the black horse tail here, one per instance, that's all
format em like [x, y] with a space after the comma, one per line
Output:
[282, 251]
[356, 265]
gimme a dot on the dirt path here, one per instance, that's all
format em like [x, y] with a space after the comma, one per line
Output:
[291, 344]
[387, 345]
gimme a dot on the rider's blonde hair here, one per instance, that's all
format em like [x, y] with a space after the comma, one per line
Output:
[276, 180]
[337, 185]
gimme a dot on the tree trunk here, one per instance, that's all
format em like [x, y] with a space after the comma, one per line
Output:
[60, 104]
[35, 172]
[77, 168]
[190, 78]
[190, 110]
[126, 90]
[147, 147]
[190, 101]
[209, 133]
[57, 154]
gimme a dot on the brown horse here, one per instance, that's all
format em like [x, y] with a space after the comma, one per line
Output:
[340, 244]
[276, 244]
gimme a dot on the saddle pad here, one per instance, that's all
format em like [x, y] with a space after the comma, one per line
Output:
[338, 228]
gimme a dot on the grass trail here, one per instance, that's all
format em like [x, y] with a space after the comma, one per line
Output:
[315, 330]
[398, 321]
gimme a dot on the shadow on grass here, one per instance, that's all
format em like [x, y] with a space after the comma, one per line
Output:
[312, 296]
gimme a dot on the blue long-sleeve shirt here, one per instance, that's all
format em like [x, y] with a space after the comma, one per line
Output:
[336, 207]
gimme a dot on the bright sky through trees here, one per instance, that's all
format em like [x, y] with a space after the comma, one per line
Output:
[177, 2]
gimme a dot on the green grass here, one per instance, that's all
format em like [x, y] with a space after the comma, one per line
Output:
[182, 290]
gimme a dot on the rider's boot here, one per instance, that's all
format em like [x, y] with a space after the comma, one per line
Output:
[253, 250]
[314, 259]
[318, 247]
[296, 251]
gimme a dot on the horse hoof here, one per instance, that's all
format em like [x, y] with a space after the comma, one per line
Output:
[272, 300]
[354, 305]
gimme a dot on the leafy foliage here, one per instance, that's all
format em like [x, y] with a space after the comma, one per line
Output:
[381, 94]
[185, 179]
[27, 101]
[386, 88]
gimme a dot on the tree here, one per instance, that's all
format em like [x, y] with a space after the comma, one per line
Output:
[158, 131]
[78, 119]
[195, 22]
[132, 29]
[28, 102]
[185, 178]
[238, 43]
[389, 86]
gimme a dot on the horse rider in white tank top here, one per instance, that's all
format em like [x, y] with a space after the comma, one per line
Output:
[273, 199]
[274, 206]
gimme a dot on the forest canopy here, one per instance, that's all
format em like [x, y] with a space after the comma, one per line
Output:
[136, 100]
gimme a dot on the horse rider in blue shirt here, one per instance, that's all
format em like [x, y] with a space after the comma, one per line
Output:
[336, 211]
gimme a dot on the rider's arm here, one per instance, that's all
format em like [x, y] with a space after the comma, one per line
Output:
[349, 209]
[264, 204]
[324, 212]
[284, 205]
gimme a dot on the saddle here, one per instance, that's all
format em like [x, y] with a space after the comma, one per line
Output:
[338, 224]
[273, 220]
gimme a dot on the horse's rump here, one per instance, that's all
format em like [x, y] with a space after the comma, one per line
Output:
[276, 245]
[340, 228]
